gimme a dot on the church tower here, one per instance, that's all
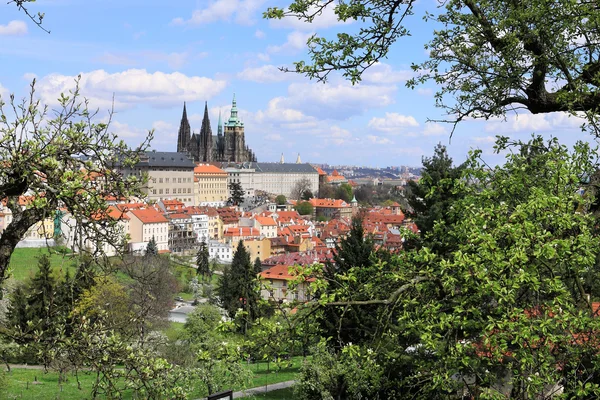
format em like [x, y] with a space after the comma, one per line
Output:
[185, 132]
[206, 144]
[235, 145]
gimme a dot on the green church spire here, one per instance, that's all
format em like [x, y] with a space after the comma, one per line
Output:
[233, 119]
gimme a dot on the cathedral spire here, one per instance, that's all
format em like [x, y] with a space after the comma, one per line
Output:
[281, 161]
[220, 126]
[298, 160]
[206, 137]
[233, 119]
[185, 132]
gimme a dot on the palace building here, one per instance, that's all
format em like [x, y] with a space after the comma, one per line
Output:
[228, 145]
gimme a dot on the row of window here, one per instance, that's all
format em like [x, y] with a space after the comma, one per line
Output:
[168, 180]
[175, 191]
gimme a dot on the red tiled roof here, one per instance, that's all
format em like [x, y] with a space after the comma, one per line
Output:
[243, 231]
[329, 203]
[201, 169]
[265, 221]
[281, 272]
[149, 216]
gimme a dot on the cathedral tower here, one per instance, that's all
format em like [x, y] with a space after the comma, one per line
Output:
[185, 132]
[206, 143]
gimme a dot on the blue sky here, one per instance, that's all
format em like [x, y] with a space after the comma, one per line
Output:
[154, 55]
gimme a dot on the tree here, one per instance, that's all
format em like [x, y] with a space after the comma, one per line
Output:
[487, 57]
[202, 261]
[238, 288]
[257, 266]
[304, 208]
[301, 188]
[237, 193]
[60, 159]
[506, 313]
[280, 200]
[432, 198]
[152, 248]
[344, 192]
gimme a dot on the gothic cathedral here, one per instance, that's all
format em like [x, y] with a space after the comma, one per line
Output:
[226, 146]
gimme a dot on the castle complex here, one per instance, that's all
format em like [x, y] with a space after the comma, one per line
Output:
[228, 145]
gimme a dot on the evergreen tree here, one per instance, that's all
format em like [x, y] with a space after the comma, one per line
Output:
[202, 261]
[352, 257]
[432, 197]
[237, 287]
[42, 295]
[237, 193]
[152, 249]
[18, 311]
[257, 266]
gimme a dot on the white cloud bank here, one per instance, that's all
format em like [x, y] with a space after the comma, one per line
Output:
[13, 28]
[131, 87]
[393, 123]
[242, 12]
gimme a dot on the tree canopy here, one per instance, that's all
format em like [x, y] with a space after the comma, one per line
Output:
[61, 159]
[486, 57]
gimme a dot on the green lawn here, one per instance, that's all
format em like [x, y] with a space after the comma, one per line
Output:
[24, 262]
[282, 394]
[35, 384]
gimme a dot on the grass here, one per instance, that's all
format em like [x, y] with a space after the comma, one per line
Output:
[24, 262]
[281, 394]
[22, 382]
[174, 331]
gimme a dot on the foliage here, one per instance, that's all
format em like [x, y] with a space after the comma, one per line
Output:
[202, 262]
[62, 159]
[504, 314]
[151, 248]
[487, 57]
[301, 189]
[307, 195]
[433, 197]
[237, 193]
[108, 301]
[203, 320]
[280, 200]
[344, 192]
[304, 208]
[238, 288]
[151, 289]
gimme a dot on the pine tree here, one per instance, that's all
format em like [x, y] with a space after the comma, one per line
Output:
[257, 266]
[152, 249]
[18, 311]
[237, 287]
[202, 261]
[42, 295]
[237, 193]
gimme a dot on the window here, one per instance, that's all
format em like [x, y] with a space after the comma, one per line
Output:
[153, 180]
[160, 180]
[178, 180]
[167, 180]
[153, 191]
[166, 191]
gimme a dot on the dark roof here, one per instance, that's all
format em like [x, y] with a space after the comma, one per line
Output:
[288, 168]
[166, 159]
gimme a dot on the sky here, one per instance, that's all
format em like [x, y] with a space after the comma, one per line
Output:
[151, 56]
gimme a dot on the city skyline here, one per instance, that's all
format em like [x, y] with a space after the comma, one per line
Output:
[154, 56]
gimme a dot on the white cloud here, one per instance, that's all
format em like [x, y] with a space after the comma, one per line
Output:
[392, 123]
[265, 74]
[378, 139]
[296, 41]
[239, 11]
[4, 93]
[434, 129]
[385, 74]
[326, 19]
[483, 139]
[164, 133]
[259, 34]
[263, 57]
[13, 28]
[534, 122]
[337, 101]
[174, 60]
[274, 136]
[425, 91]
[277, 112]
[131, 87]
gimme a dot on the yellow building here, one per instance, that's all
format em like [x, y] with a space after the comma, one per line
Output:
[210, 185]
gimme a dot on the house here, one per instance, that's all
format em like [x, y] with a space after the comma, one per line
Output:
[266, 226]
[145, 224]
[234, 235]
[182, 238]
[210, 185]
[257, 248]
[331, 208]
[221, 252]
[275, 283]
